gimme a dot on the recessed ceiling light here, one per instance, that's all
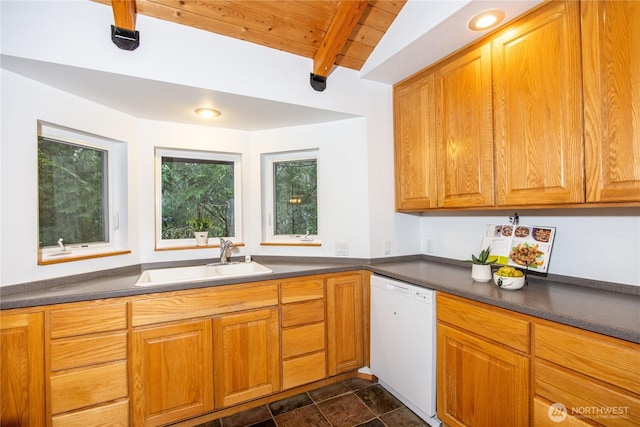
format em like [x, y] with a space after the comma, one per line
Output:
[485, 20]
[207, 113]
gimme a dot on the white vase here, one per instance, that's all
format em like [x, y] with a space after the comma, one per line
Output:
[481, 273]
[202, 238]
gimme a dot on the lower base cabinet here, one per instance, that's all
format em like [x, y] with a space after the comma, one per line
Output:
[483, 366]
[582, 378]
[172, 372]
[246, 356]
[22, 369]
[345, 323]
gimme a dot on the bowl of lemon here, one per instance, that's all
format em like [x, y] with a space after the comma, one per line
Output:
[509, 278]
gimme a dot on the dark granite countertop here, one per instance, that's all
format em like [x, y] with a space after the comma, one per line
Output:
[599, 308]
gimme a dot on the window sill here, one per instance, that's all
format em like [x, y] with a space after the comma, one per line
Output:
[48, 258]
[291, 243]
[189, 247]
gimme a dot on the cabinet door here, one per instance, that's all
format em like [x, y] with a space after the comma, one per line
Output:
[172, 373]
[414, 144]
[465, 130]
[345, 324]
[480, 383]
[22, 369]
[246, 356]
[538, 108]
[610, 46]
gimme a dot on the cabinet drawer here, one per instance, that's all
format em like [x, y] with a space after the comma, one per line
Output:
[584, 393]
[544, 416]
[203, 302]
[85, 387]
[88, 350]
[301, 291]
[485, 321]
[303, 370]
[302, 313]
[112, 415]
[608, 359]
[302, 340]
[88, 318]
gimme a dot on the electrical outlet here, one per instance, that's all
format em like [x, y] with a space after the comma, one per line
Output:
[387, 247]
[342, 248]
[428, 246]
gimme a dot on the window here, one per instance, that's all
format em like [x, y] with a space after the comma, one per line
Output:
[81, 189]
[73, 193]
[291, 196]
[198, 191]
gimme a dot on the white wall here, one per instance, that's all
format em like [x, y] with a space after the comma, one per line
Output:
[24, 102]
[598, 244]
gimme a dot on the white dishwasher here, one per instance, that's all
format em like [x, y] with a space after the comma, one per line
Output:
[403, 343]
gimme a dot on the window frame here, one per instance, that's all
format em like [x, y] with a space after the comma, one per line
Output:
[115, 181]
[268, 194]
[235, 158]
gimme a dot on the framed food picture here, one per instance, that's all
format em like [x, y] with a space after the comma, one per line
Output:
[521, 246]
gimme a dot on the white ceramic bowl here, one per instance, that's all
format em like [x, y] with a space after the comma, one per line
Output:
[510, 283]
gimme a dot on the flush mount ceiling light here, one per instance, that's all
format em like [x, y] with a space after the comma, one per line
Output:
[485, 20]
[207, 113]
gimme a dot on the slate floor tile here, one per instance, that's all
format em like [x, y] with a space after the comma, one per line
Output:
[403, 417]
[356, 383]
[329, 391]
[373, 423]
[307, 416]
[246, 418]
[379, 400]
[345, 411]
[290, 403]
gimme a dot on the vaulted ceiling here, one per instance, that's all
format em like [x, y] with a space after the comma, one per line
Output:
[331, 32]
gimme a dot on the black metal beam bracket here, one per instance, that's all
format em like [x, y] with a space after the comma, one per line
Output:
[125, 39]
[319, 83]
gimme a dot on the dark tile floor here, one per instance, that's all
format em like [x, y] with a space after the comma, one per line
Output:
[354, 402]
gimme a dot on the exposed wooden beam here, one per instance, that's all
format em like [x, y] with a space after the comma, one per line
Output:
[124, 14]
[343, 23]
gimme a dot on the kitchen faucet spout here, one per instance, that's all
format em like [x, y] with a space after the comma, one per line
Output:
[225, 245]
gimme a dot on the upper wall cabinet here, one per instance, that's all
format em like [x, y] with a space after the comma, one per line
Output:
[536, 115]
[611, 69]
[464, 130]
[415, 154]
[538, 108]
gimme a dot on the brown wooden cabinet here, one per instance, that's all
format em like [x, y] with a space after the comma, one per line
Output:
[172, 373]
[345, 323]
[542, 113]
[464, 130]
[415, 149]
[611, 65]
[304, 356]
[22, 369]
[246, 356]
[87, 364]
[538, 108]
[595, 378]
[482, 364]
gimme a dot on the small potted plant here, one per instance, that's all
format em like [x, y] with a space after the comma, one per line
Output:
[481, 268]
[201, 226]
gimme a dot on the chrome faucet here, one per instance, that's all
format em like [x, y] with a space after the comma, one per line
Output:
[225, 245]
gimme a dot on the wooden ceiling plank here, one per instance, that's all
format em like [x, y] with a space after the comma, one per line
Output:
[124, 14]
[297, 11]
[247, 20]
[180, 16]
[392, 6]
[345, 20]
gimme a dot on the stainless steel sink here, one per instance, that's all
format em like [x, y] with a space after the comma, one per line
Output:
[198, 273]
